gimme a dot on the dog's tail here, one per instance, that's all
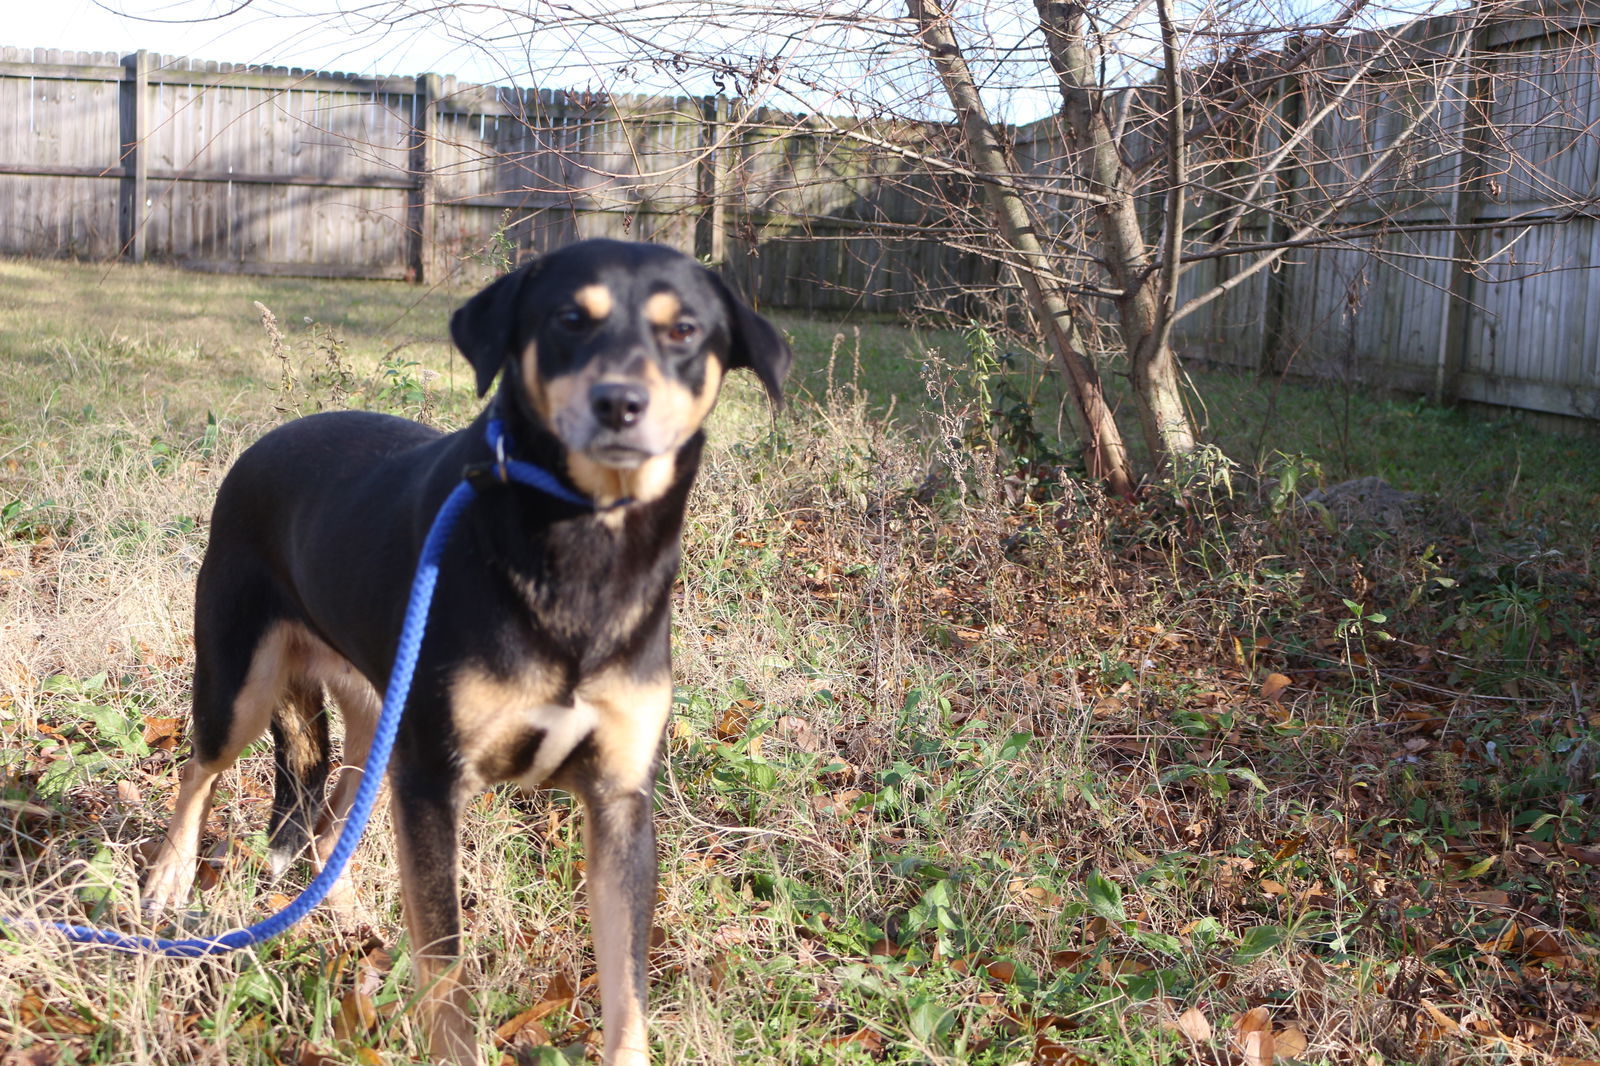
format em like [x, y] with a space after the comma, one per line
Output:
[302, 760]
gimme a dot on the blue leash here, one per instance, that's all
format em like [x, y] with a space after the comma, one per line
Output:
[394, 701]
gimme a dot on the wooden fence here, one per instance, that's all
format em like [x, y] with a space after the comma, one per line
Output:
[286, 171]
[232, 168]
[1503, 311]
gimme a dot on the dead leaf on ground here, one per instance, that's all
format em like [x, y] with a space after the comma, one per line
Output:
[1108, 706]
[163, 733]
[372, 970]
[44, 1017]
[1068, 960]
[1033, 895]
[42, 1053]
[1489, 897]
[1290, 1042]
[838, 804]
[1192, 1023]
[559, 994]
[1257, 1048]
[798, 732]
[306, 1053]
[1048, 1051]
[1254, 1020]
[1275, 684]
[1588, 856]
[865, 1039]
[357, 1017]
[524, 1030]
[735, 721]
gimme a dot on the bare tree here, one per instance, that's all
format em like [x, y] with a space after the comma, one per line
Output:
[1145, 296]
[1250, 183]
[1106, 457]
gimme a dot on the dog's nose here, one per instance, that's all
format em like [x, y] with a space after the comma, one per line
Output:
[617, 405]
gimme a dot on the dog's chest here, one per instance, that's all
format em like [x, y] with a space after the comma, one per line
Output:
[515, 729]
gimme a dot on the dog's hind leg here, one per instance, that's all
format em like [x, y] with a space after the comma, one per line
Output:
[359, 706]
[301, 761]
[238, 679]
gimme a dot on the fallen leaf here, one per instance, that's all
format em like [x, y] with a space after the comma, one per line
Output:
[44, 1017]
[1290, 1042]
[1122, 967]
[865, 1039]
[524, 1029]
[312, 1055]
[164, 733]
[1192, 1023]
[1033, 895]
[39, 1054]
[735, 721]
[1257, 1048]
[798, 732]
[1275, 684]
[1445, 1023]
[838, 804]
[1588, 856]
[1004, 972]
[1108, 706]
[357, 1017]
[1488, 897]
[558, 994]
[1254, 1020]
[1048, 1051]
[372, 970]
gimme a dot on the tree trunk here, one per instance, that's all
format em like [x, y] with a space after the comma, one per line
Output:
[1105, 455]
[1147, 299]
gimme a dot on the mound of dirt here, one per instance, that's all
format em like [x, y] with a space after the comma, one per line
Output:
[1371, 501]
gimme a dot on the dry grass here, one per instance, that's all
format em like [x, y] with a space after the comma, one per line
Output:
[966, 769]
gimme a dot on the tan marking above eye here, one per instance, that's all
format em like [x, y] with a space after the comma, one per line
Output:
[595, 300]
[662, 309]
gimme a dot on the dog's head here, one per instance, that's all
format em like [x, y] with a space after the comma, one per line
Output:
[619, 350]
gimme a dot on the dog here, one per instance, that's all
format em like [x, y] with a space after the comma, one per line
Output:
[547, 659]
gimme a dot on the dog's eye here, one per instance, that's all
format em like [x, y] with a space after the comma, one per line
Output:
[679, 332]
[571, 318]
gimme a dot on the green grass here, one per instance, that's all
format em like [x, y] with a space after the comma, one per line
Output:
[969, 765]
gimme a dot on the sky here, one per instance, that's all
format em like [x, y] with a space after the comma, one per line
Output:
[523, 42]
[829, 56]
[273, 32]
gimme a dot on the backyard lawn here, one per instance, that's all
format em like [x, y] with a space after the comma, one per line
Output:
[970, 764]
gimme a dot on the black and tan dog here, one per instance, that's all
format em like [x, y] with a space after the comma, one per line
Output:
[546, 660]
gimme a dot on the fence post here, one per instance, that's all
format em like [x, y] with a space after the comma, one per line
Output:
[1466, 194]
[133, 201]
[420, 211]
[1289, 179]
[714, 180]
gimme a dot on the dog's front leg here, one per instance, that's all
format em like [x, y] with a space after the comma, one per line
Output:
[621, 865]
[424, 807]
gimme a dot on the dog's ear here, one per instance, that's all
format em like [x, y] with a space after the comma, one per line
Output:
[756, 343]
[484, 327]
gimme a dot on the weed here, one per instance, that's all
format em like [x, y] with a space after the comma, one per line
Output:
[499, 255]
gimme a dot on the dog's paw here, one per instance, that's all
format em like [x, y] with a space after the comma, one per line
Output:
[166, 887]
[343, 907]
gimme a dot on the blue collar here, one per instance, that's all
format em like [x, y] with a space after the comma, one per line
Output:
[506, 471]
